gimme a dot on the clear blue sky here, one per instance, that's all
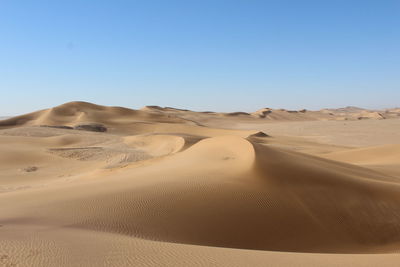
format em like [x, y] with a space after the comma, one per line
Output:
[202, 55]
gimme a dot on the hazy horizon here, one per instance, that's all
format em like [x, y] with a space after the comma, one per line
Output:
[4, 116]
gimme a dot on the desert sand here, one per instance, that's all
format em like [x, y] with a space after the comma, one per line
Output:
[89, 185]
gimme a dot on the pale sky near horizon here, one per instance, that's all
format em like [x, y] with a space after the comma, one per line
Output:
[201, 55]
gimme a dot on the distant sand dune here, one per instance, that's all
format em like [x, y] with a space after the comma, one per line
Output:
[73, 113]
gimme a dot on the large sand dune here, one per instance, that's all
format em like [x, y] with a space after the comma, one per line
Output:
[170, 187]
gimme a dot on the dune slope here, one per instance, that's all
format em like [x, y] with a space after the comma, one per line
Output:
[155, 183]
[232, 194]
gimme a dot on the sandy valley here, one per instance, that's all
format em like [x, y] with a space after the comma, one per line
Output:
[89, 185]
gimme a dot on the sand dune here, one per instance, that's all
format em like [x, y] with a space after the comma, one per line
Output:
[386, 154]
[118, 118]
[163, 187]
[73, 113]
[269, 114]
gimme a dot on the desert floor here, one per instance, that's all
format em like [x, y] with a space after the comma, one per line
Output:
[89, 185]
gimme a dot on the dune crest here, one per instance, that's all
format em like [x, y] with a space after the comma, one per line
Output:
[216, 183]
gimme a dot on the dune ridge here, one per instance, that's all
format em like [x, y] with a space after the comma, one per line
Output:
[72, 113]
[158, 181]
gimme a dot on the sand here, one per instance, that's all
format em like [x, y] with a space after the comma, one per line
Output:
[169, 187]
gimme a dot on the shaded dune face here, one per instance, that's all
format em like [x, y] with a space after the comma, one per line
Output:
[265, 199]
